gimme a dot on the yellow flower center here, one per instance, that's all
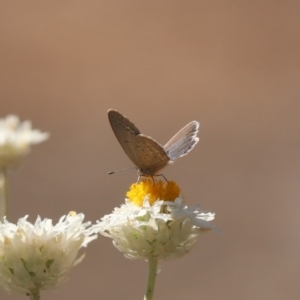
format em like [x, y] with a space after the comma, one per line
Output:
[160, 190]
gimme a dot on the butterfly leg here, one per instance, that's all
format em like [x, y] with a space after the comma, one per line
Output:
[162, 176]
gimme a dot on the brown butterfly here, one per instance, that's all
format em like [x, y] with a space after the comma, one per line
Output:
[147, 154]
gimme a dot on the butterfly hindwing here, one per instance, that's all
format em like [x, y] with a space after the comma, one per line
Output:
[151, 155]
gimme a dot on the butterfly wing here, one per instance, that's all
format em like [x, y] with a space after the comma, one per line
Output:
[150, 154]
[125, 132]
[183, 141]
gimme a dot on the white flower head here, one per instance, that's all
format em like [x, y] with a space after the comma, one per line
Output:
[16, 138]
[38, 256]
[146, 226]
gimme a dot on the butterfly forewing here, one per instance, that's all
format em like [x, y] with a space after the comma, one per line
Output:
[183, 141]
[125, 132]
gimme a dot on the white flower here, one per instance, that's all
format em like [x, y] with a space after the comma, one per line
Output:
[16, 139]
[38, 256]
[163, 230]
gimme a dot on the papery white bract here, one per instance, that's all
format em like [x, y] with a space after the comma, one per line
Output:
[38, 256]
[16, 138]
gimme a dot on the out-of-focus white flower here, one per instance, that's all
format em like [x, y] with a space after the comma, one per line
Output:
[16, 138]
[39, 256]
[154, 228]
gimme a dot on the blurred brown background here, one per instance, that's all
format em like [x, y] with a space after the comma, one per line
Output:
[232, 65]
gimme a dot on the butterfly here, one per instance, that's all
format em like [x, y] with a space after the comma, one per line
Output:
[146, 153]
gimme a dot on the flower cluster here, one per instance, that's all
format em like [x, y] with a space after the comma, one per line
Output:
[38, 256]
[16, 138]
[154, 229]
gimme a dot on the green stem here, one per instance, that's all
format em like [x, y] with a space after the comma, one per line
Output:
[152, 272]
[3, 194]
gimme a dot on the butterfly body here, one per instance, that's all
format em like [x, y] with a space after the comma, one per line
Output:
[147, 154]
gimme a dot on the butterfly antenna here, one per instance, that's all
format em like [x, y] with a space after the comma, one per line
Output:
[112, 172]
